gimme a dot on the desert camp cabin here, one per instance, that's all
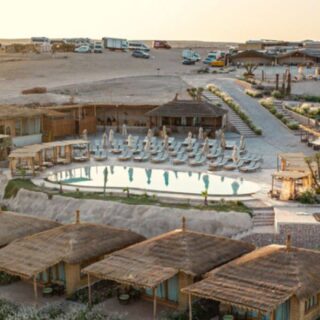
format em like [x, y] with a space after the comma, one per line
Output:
[162, 265]
[272, 283]
[59, 254]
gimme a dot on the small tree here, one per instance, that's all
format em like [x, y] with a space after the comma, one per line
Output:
[127, 191]
[250, 69]
[313, 163]
[205, 194]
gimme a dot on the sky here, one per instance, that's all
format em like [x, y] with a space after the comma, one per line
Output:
[207, 20]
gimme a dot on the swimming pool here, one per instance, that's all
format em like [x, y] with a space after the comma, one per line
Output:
[153, 180]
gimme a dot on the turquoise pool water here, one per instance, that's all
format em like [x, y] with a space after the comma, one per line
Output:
[154, 180]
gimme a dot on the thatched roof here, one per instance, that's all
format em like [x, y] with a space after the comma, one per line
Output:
[251, 54]
[263, 279]
[294, 161]
[31, 151]
[73, 244]
[14, 112]
[187, 108]
[149, 263]
[290, 175]
[14, 226]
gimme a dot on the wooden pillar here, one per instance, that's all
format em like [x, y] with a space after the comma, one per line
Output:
[89, 291]
[273, 316]
[35, 288]
[154, 303]
[32, 167]
[190, 307]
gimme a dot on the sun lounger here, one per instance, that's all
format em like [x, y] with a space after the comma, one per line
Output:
[80, 158]
[218, 164]
[214, 153]
[180, 159]
[198, 161]
[126, 156]
[233, 165]
[143, 156]
[251, 167]
[100, 156]
[160, 158]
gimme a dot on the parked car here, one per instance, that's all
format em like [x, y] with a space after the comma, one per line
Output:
[83, 49]
[208, 60]
[188, 62]
[140, 54]
[98, 47]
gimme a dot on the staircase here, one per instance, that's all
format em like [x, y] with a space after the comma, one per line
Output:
[233, 118]
[262, 213]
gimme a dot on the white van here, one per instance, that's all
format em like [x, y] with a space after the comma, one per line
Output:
[135, 45]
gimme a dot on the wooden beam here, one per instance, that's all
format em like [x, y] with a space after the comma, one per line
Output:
[154, 303]
[190, 307]
[89, 291]
[35, 288]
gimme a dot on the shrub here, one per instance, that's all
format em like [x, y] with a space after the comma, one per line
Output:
[277, 94]
[308, 197]
[293, 125]
[6, 278]
[279, 115]
[254, 93]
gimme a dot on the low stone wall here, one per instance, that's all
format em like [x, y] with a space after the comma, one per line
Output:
[146, 220]
[302, 235]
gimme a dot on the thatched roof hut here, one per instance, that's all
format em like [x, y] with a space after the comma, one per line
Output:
[14, 112]
[263, 279]
[187, 108]
[71, 244]
[14, 226]
[151, 262]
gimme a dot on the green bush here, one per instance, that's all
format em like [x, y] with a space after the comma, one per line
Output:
[6, 278]
[277, 94]
[293, 125]
[279, 115]
[308, 197]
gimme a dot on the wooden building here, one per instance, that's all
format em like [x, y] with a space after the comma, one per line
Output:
[162, 265]
[292, 177]
[14, 226]
[299, 57]
[34, 158]
[272, 283]
[69, 120]
[57, 255]
[188, 115]
[22, 124]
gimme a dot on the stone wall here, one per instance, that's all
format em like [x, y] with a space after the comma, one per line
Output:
[146, 220]
[302, 235]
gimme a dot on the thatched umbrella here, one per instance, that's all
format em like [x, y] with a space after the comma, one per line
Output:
[223, 143]
[166, 142]
[124, 130]
[111, 136]
[150, 134]
[200, 134]
[301, 73]
[147, 145]
[104, 140]
[235, 156]
[242, 144]
[189, 140]
[164, 131]
[317, 71]
[224, 121]
[205, 148]
[130, 141]
[85, 134]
